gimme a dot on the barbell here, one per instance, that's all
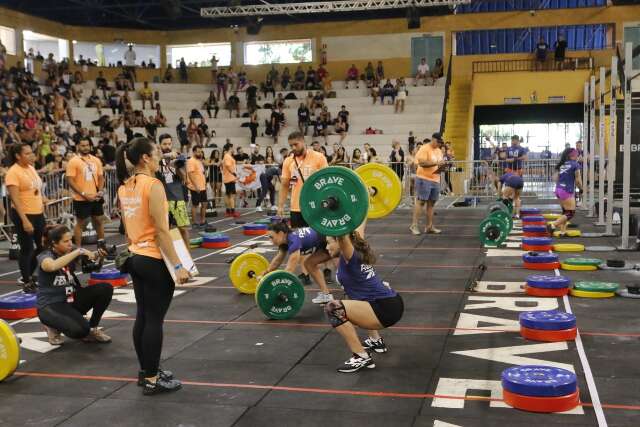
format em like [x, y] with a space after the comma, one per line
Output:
[9, 350]
[495, 228]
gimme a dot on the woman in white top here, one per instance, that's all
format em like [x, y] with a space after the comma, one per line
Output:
[401, 91]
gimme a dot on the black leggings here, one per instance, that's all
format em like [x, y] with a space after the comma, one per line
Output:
[266, 186]
[27, 259]
[68, 318]
[153, 287]
[253, 127]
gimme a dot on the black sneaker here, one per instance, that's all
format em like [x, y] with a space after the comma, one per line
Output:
[161, 385]
[550, 229]
[305, 279]
[356, 363]
[375, 345]
[111, 251]
[167, 375]
[30, 287]
[327, 276]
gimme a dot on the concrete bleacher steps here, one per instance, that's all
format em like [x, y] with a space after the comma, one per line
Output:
[457, 120]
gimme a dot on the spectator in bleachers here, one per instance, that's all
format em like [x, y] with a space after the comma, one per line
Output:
[422, 72]
[214, 164]
[352, 75]
[151, 127]
[233, 104]
[312, 79]
[255, 156]
[203, 132]
[183, 71]
[252, 96]
[437, 72]
[327, 83]
[396, 159]
[192, 133]
[374, 90]
[240, 155]
[168, 74]
[197, 184]
[214, 68]
[341, 128]
[280, 101]
[76, 91]
[324, 120]
[285, 79]
[183, 139]
[559, 51]
[146, 94]
[401, 95]
[273, 75]
[369, 74]
[298, 79]
[160, 119]
[277, 122]
[380, 71]
[211, 104]
[340, 158]
[541, 50]
[303, 118]
[253, 124]
[241, 80]
[60, 106]
[268, 87]
[151, 64]
[388, 90]
[130, 60]
[232, 78]
[269, 159]
[318, 101]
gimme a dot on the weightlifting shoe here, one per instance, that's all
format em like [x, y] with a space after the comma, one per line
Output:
[375, 345]
[54, 336]
[356, 363]
[167, 375]
[258, 208]
[322, 298]
[433, 230]
[305, 279]
[98, 336]
[414, 230]
[30, 287]
[161, 385]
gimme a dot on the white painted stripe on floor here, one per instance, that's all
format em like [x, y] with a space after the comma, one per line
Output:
[504, 253]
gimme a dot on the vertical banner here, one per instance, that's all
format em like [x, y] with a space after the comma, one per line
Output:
[626, 169]
[613, 144]
[592, 145]
[585, 148]
[601, 156]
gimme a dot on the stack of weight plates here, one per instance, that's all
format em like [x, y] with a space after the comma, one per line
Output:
[540, 388]
[548, 326]
[538, 244]
[195, 242]
[215, 241]
[533, 220]
[525, 212]
[580, 264]
[540, 261]
[254, 229]
[534, 231]
[547, 286]
[109, 275]
[18, 306]
[594, 289]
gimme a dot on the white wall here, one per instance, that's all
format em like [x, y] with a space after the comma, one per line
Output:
[371, 47]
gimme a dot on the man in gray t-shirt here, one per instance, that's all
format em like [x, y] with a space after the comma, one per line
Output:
[172, 173]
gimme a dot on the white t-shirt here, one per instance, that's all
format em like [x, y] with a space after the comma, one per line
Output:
[130, 58]
[423, 69]
[214, 63]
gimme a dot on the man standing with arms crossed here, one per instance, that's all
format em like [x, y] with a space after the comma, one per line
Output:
[197, 184]
[173, 175]
[86, 179]
[430, 161]
[229, 179]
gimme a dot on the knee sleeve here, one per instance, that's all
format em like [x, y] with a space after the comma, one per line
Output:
[336, 313]
[568, 213]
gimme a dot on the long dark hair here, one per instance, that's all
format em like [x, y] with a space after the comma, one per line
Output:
[363, 248]
[280, 227]
[53, 233]
[132, 151]
[15, 151]
[212, 155]
[564, 157]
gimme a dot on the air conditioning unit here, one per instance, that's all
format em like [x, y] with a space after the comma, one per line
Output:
[512, 101]
[556, 99]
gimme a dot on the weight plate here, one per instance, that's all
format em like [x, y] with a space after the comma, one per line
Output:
[215, 245]
[384, 186]
[19, 313]
[568, 233]
[534, 229]
[623, 292]
[533, 218]
[551, 216]
[548, 282]
[583, 261]
[244, 270]
[16, 301]
[552, 320]
[116, 283]
[570, 267]
[537, 241]
[254, 227]
[542, 404]
[254, 232]
[587, 294]
[547, 335]
[542, 292]
[616, 263]
[280, 295]
[592, 235]
[503, 216]
[10, 354]
[497, 206]
[508, 203]
[543, 266]
[276, 218]
[539, 257]
[196, 241]
[536, 248]
[530, 234]
[596, 286]
[568, 247]
[107, 274]
[627, 267]
[529, 211]
[600, 248]
[214, 237]
[334, 201]
[266, 221]
[539, 381]
[493, 232]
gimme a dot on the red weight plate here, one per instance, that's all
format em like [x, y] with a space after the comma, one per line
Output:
[535, 234]
[21, 313]
[541, 265]
[545, 292]
[215, 245]
[542, 404]
[254, 232]
[548, 336]
[543, 248]
[116, 283]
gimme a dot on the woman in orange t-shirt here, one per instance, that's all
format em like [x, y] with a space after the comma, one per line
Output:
[143, 204]
[27, 210]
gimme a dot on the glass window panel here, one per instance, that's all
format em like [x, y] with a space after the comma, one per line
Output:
[278, 52]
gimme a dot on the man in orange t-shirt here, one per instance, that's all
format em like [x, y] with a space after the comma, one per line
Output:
[197, 185]
[430, 161]
[229, 178]
[86, 180]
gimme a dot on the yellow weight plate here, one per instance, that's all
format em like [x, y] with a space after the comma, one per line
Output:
[587, 294]
[9, 350]
[385, 189]
[551, 216]
[244, 270]
[568, 247]
[569, 233]
[578, 267]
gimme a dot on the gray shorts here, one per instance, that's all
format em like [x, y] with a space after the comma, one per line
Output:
[427, 190]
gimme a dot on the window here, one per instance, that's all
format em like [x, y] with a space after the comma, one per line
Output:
[199, 55]
[45, 44]
[537, 137]
[8, 39]
[108, 54]
[278, 52]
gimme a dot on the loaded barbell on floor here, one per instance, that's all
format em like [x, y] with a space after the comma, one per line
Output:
[9, 350]
[495, 228]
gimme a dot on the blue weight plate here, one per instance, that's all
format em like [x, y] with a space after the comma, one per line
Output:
[107, 274]
[537, 241]
[548, 282]
[17, 301]
[534, 228]
[218, 239]
[529, 211]
[254, 227]
[535, 257]
[539, 381]
[533, 218]
[214, 236]
[552, 320]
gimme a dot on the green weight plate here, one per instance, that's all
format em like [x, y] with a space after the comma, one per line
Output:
[266, 221]
[583, 261]
[493, 232]
[195, 241]
[280, 295]
[334, 201]
[508, 203]
[497, 206]
[596, 286]
[503, 216]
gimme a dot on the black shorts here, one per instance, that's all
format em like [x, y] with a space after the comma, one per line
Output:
[84, 209]
[388, 310]
[198, 197]
[297, 221]
[230, 187]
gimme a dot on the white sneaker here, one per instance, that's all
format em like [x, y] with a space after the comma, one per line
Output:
[414, 230]
[259, 209]
[322, 298]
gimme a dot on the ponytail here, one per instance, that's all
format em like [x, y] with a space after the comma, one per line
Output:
[280, 227]
[15, 151]
[53, 234]
[362, 247]
[131, 152]
[563, 158]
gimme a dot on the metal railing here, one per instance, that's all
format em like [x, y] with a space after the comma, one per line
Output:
[512, 65]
